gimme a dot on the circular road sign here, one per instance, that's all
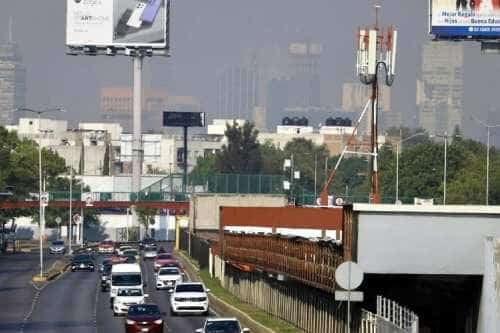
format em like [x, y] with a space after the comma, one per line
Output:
[349, 280]
[58, 220]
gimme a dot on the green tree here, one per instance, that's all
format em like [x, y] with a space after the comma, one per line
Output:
[146, 216]
[205, 166]
[241, 154]
[272, 159]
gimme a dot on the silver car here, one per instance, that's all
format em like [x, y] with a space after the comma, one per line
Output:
[57, 247]
[150, 252]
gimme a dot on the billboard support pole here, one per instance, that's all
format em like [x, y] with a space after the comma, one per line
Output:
[136, 136]
[185, 162]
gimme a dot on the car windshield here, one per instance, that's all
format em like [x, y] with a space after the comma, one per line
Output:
[150, 248]
[144, 310]
[126, 279]
[193, 288]
[130, 260]
[130, 252]
[169, 271]
[107, 270]
[58, 243]
[226, 326]
[130, 292]
[165, 256]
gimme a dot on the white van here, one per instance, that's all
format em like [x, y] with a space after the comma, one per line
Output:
[125, 276]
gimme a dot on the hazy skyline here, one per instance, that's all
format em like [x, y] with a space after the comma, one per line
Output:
[206, 36]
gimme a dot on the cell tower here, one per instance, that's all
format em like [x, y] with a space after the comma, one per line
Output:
[376, 52]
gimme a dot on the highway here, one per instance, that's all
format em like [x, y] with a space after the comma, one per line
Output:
[73, 303]
[16, 292]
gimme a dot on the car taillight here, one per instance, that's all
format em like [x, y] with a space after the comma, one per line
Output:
[130, 322]
[159, 321]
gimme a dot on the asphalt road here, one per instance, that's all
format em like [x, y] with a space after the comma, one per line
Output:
[182, 324]
[73, 303]
[16, 291]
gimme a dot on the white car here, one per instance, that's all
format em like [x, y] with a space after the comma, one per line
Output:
[150, 252]
[222, 325]
[189, 297]
[168, 277]
[126, 297]
[123, 248]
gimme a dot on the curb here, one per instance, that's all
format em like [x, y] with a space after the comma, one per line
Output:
[222, 307]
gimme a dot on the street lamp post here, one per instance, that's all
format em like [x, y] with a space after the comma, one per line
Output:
[41, 210]
[398, 145]
[488, 127]
[445, 163]
[70, 222]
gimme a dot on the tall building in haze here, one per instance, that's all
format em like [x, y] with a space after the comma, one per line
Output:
[355, 95]
[12, 81]
[441, 87]
[237, 92]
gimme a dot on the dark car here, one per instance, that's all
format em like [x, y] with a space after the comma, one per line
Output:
[144, 318]
[130, 259]
[147, 241]
[82, 265]
[106, 277]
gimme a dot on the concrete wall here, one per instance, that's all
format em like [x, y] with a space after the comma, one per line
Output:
[424, 240]
[489, 311]
[204, 208]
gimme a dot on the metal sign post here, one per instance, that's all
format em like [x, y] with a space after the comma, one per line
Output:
[349, 276]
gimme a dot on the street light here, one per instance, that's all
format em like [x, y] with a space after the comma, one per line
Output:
[397, 160]
[487, 156]
[445, 136]
[42, 211]
[70, 222]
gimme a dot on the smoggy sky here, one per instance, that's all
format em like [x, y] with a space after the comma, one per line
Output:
[208, 35]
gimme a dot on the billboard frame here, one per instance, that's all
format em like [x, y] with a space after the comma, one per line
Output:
[130, 49]
[458, 37]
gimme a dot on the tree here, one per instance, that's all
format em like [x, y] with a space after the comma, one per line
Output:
[241, 154]
[272, 159]
[146, 216]
[205, 166]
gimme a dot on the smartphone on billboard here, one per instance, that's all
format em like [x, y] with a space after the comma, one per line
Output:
[135, 19]
[149, 14]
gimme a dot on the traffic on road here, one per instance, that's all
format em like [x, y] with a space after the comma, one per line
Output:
[101, 294]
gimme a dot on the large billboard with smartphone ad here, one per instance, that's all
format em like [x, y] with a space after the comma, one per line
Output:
[117, 23]
[465, 19]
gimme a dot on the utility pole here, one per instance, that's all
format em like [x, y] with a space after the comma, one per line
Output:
[136, 136]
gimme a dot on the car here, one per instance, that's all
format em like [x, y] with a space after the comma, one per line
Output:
[130, 259]
[168, 277]
[146, 241]
[118, 259]
[222, 325]
[106, 246]
[106, 278]
[189, 297]
[57, 247]
[126, 297]
[150, 252]
[82, 265]
[144, 318]
[131, 252]
[123, 248]
[164, 259]
[162, 250]
[105, 262]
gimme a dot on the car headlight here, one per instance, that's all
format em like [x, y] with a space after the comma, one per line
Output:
[130, 322]
[159, 321]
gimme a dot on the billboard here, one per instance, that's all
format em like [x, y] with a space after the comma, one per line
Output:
[183, 119]
[117, 23]
[465, 19]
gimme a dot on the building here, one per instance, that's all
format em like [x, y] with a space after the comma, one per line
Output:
[441, 87]
[12, 82]
[237, 92]
[116, 104]
[165, 153]
[355, 95]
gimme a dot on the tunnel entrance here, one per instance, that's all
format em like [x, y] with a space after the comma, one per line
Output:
[444, 303]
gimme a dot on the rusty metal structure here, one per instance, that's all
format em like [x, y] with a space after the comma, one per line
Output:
[312, 262]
